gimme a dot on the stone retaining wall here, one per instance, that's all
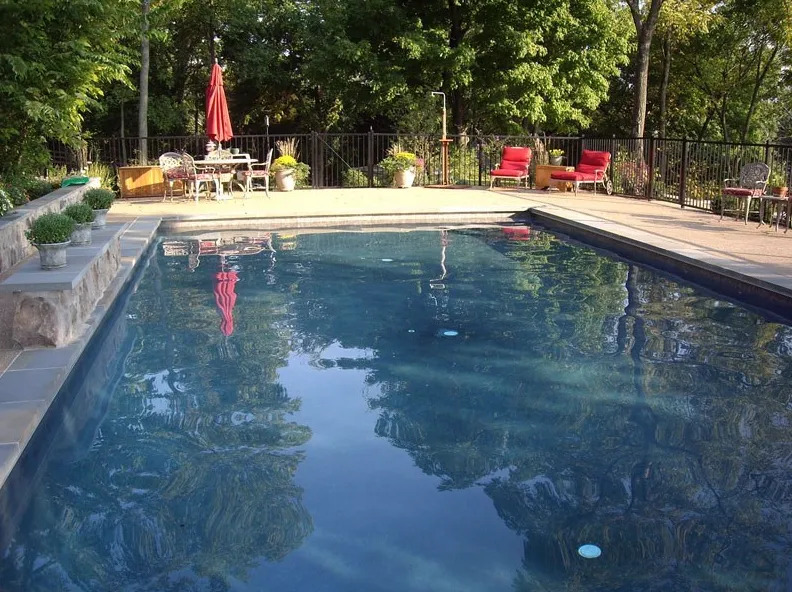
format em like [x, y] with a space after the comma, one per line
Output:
[48, 308]
[14, 247]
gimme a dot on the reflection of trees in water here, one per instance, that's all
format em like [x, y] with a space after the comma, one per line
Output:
[593, 401]
[190, 479]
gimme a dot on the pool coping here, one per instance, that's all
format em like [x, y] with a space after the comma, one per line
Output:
[35, 377]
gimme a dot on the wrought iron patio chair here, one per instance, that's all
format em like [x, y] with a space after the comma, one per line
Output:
[205, 175]
[256, 171]
[751, 183]
[173, 170]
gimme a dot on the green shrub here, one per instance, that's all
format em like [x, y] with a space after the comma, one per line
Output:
[99, 199]
[50, 229]
[15, 193]
[354, 178]
[36, 187]
[81, 213]
[5, 203]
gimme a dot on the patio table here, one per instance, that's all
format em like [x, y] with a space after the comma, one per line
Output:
[778, 204]
[230, 164]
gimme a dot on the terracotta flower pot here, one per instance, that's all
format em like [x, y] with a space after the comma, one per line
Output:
[404, 178]
[52, 255]
[780, 191]
[284, 180]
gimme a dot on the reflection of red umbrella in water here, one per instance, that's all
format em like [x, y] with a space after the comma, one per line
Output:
[218, 122]
[225, 297]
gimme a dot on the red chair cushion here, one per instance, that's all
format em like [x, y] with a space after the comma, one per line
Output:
[741, 191]
[513, 165]
[593, 160]
[509, 173]
[574, 176]
[516, 154]
[202, 177]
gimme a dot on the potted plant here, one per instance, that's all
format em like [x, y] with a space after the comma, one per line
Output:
[556, 157]
[402, 166]
[100, 201]
[778, 184]
[50, 234]
[83, 217]
[289, 172]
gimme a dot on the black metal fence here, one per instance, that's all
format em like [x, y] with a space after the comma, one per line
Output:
[682, 171]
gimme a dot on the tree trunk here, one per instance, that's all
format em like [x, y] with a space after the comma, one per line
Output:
[664, 85]
[123, 134]
[761, 73]
[641, 85]
[455, 34]
[144, 80]
[645, 23]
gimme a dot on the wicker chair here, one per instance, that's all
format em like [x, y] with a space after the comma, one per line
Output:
[205, 175]
[172, 166]
[751, 183]
[256, 171]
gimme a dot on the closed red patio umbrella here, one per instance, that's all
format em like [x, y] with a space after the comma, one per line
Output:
[218, 122]
[225, 298]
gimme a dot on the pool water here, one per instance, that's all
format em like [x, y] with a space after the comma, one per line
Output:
[432, 410]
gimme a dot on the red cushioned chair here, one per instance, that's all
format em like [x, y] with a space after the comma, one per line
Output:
[592, 168]
[515, 164]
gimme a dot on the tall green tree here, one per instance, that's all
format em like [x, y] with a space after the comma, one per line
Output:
[56, 60]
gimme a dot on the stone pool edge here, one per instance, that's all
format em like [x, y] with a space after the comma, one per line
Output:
[33, 380]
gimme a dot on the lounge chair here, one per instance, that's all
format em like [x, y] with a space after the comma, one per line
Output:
[592, 168]
[515, 164]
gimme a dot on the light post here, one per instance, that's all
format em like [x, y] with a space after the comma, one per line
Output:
[442, 94]
[444, 142]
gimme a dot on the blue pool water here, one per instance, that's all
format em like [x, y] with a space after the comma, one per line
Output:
[415, 411]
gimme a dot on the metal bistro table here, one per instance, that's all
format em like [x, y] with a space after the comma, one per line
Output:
[777, 205]
[229, 175]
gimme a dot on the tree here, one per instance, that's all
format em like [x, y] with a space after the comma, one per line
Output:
[55, 63]
[645, 19]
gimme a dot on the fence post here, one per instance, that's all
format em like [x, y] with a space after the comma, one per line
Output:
[479, 156]
[652, 150]
[613, 162]
[683, 172]
[313, 160]
[767, 152]
[371, 157]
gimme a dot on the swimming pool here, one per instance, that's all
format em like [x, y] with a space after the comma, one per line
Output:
[425, 410]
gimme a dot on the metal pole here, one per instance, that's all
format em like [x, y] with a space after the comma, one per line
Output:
[683, 173]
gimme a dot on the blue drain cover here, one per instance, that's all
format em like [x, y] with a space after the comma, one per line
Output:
[589, 551]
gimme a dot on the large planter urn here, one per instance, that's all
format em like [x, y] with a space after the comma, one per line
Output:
[52, 255]
[556, 160]
[284, 180]
[81, 236]
[100, 218]
[404, 178]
